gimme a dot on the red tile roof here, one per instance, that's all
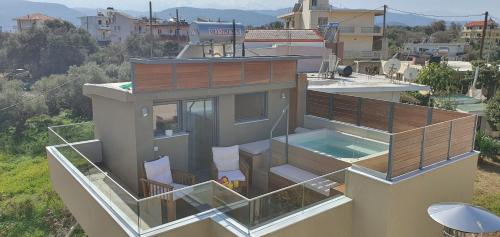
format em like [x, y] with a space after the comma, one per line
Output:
[35, 16]
[283, 36]
[478, 23]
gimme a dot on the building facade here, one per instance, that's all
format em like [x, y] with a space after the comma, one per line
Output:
[473, 31]
[362, 38]
[165, 29]
[109, 26]
[454, 51]
[31, 20]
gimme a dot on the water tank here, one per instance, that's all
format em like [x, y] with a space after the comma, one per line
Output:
[216, 32]
[344, 71]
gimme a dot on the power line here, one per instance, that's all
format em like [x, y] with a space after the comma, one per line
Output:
[35, 97]
[437, 16]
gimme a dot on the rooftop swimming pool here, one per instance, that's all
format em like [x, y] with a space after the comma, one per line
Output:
[337, 144]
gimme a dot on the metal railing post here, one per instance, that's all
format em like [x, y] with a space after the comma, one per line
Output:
[358, 115]
[449, 139]
[389, 161]
[422, 143]
[390, 117]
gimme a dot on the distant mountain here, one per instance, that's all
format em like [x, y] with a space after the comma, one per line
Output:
[10, 9]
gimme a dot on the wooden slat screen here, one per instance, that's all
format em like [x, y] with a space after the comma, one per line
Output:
[283, 70]
[318, 104]
[436, 143]
[226, 74]
[408, 117]
[462, 135]
[406, 147]
[151, 77]
[257, 72]
[191, 76]
[345, 108]
[441, 115]
[375, 114]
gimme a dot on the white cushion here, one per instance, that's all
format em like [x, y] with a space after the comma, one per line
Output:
[255, 148]
[159, 170]
[232, 175]
[292, 173]
[297, 175]
[226, 158]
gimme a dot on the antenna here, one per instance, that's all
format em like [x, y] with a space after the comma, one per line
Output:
[410, 74]
[151, 27]
[391, 67]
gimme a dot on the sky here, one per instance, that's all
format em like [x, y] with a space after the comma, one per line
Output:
[439, 7]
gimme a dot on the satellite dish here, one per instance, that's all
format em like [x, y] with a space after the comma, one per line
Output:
[410, 74]
[392, 66]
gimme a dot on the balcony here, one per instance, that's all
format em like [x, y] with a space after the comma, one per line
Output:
[361, 30]
[350, 54]
[75, 154]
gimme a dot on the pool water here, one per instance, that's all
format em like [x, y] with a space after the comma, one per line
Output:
[338, 144]
[338, 150]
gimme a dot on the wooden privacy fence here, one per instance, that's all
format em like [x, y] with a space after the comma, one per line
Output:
[420, 136]
[148, 76]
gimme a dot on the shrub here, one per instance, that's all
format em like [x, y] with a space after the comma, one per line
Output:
[488, 146]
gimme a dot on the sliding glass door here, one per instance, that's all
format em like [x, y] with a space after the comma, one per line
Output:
[200, 121]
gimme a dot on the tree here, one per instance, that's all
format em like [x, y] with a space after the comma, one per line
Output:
[70, 96]
[493, 112]
[441, 37]
[488, 79]
[439, 76]
[49, 49]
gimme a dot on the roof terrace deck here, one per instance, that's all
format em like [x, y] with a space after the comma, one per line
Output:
[418, 138]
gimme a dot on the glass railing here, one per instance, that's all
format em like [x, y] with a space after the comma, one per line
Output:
[197, 200]
[152, 213]
[70, 141]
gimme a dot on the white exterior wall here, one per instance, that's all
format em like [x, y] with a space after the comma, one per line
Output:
[121, 27]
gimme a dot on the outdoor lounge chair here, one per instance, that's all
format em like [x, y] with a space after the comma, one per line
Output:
[227, 163]
[160, 178]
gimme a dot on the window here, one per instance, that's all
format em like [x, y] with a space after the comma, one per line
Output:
[250, 107]
[322, 21]
[314, 3]
[99, 22]
[165, 119]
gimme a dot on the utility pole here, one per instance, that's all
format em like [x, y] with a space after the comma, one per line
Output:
[177, 24]
[151, 27]
[483, 36]
[384, 34]
[234, 39]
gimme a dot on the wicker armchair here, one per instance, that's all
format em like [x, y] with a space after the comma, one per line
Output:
[151, 188]
[244, 168]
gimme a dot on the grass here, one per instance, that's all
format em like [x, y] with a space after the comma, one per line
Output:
[28, 206]
[487, 186]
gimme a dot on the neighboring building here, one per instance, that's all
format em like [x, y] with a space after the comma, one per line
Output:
[288, 42]
[453, 51]
[109, 26]
[31, 20]
[472, 31]
[112, 26]
[361, 37]
[167, 29]
[353, 167]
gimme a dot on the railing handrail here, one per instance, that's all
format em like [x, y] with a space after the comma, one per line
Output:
[275, 125]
